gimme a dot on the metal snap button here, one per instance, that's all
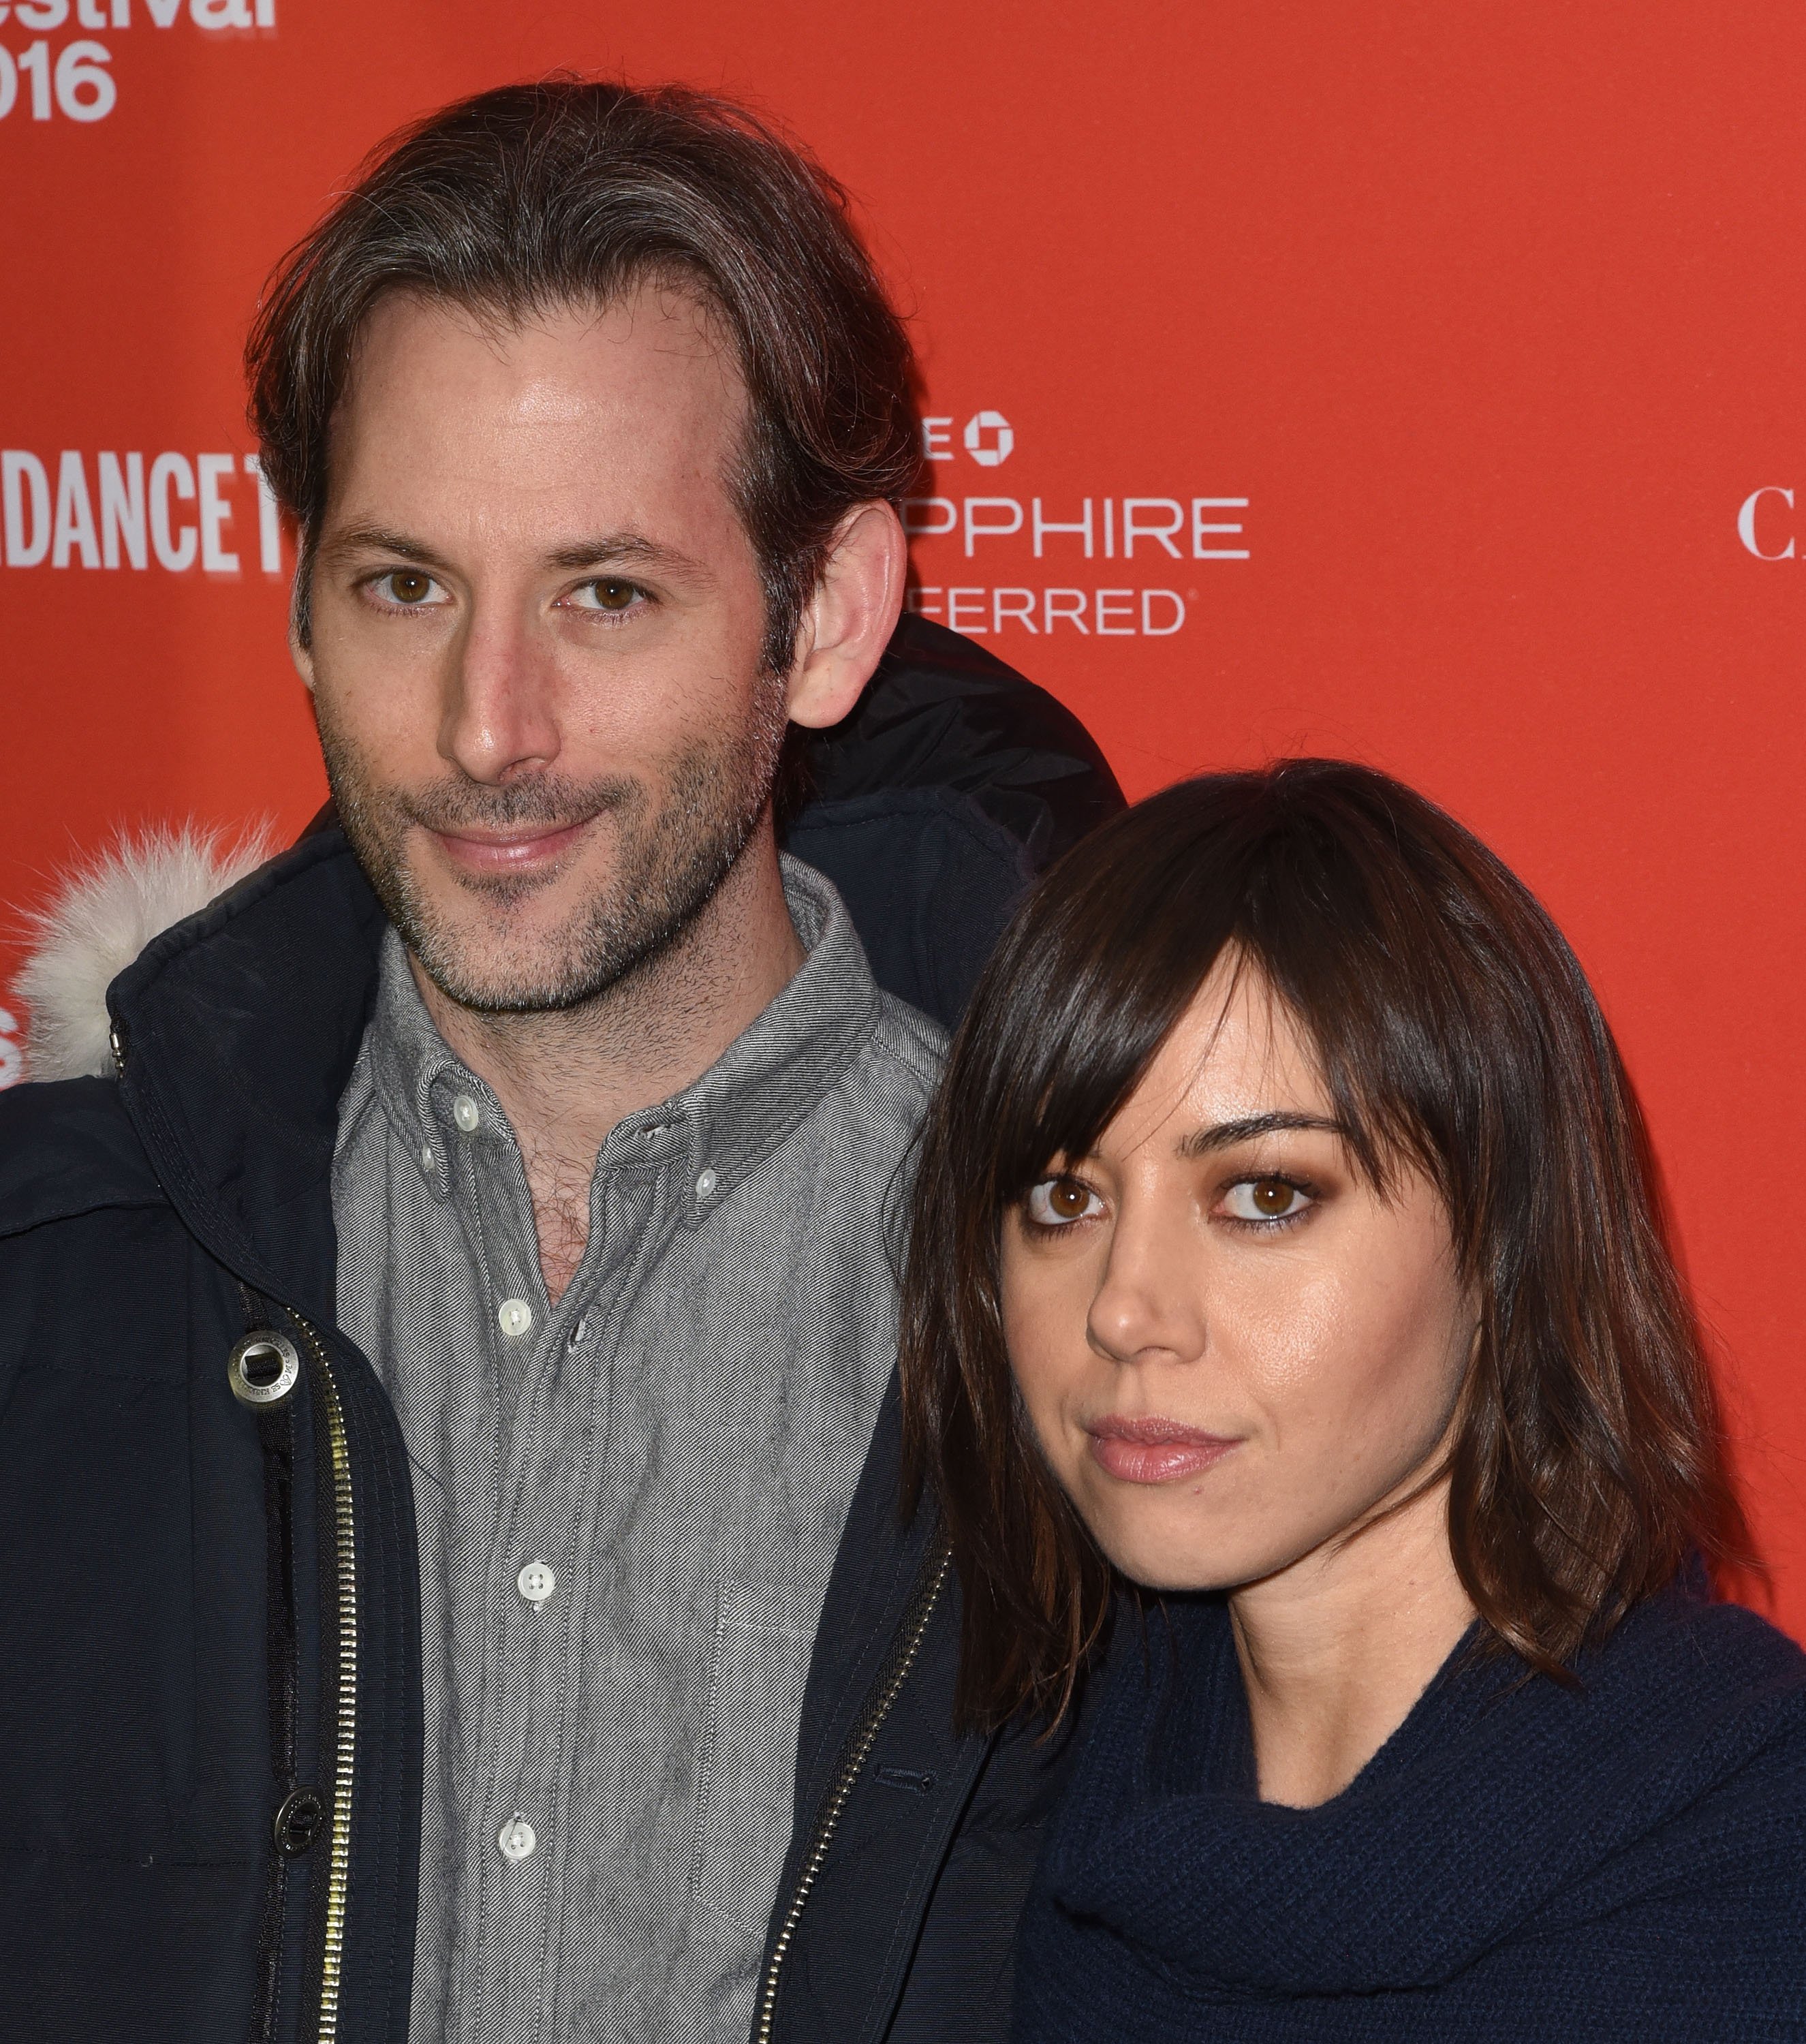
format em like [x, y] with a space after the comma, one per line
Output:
[299, 1823]
[263, 1368]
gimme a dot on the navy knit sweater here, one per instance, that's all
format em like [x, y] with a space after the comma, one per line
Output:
[1519, 1861]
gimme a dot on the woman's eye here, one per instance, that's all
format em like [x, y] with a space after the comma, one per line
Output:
[606, 593]
[1265, 1199]
[410, 587]
[1059, 1202]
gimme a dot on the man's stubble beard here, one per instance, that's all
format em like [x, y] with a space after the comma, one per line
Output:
[671, 861]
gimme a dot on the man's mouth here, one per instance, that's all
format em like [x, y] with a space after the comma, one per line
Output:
[1154, 1450]
[526, 848]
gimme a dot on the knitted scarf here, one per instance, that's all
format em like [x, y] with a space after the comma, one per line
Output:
[1519, 1863]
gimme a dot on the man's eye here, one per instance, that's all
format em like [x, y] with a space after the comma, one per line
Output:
[606, 593]
[1059, 1202]
[409, 587]
[1266, 1200]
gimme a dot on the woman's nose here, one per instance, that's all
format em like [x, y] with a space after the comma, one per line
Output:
[1149, 1305]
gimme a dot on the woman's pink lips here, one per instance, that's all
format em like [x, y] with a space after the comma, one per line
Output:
[1154, 1450]
[508, 852]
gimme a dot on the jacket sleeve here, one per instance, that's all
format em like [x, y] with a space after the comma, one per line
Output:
[933, 805]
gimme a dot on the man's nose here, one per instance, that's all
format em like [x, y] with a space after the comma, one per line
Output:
[499, 714]
[1149, 1306]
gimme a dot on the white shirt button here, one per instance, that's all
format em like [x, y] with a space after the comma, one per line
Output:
[426, 1157]
[536, 1582]
[465, 1112]
[517, 1839]
[515, 1317]
[706, 1185]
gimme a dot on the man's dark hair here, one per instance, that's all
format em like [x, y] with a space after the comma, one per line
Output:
[533, 196]
[1457, 1036]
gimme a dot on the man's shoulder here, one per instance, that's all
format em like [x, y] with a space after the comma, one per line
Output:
[909, 1043]
[68, 1147]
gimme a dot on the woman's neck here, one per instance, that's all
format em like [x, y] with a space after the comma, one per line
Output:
[1336, 1649]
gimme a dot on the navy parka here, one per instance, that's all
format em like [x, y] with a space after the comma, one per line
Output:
[209, 1714]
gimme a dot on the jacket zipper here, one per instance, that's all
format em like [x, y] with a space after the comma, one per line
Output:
[857, 1752]
[338, 1870]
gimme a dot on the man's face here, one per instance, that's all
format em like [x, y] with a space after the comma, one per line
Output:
[536, 631]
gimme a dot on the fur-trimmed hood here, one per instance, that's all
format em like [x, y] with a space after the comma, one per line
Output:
[104, 913]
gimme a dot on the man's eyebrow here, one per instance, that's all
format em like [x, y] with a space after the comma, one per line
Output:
[380, 540]
[623, 550]
[1225, 1135]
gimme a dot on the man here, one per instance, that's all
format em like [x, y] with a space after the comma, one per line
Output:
[445, 1381]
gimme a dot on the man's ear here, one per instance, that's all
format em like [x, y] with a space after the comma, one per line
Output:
[851, 616]
[303, 659]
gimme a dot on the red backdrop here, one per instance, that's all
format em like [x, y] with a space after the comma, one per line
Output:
[1419, 366]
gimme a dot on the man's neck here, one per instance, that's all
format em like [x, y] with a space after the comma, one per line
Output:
[565, 1079]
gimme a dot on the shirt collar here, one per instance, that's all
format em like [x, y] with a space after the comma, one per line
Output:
[762, 1086]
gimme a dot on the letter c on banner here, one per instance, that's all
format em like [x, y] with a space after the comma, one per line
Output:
[1747, 521]
[175, 550]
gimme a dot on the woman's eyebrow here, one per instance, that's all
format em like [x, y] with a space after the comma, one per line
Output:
[1224, 1134]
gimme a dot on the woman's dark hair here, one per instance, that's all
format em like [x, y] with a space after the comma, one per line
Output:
[1457, 1035]
[571, 192]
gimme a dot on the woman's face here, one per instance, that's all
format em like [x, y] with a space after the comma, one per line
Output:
[1231, 1347]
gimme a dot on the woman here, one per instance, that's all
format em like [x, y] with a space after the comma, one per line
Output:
[1287, 1275]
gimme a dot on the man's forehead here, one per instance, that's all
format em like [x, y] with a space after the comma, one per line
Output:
[552, 364]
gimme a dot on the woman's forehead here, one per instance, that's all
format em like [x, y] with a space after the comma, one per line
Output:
[1238, 1054]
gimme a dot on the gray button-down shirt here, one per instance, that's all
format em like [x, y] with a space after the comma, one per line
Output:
[628, 1503]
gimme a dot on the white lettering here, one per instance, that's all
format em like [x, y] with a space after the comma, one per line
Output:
[1021, 608]
[21, 473]
[1199, 551]
[36, 64]
[1132, 531]
[219, 13]
[216, 513]
[174, 550]
[1044, 525]
[163, 12]
[934, 505]
[1071, 607]
[41, 13]
[74, 514]
[1747, 521]
[89, 15]
[975, 532]
[917, 600]
[265, 14]
[937, 440]
[955, 599]
[8, 77]
[1150, 629]
[269, 520]
[81, 68]
[1113, 608]
[122, 509]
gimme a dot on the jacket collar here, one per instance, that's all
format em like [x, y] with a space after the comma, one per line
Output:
[236, 1034]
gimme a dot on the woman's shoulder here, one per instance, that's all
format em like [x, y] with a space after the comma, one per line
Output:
[1695, 1643]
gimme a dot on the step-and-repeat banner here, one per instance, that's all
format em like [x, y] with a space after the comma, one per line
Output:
[1412, 382]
